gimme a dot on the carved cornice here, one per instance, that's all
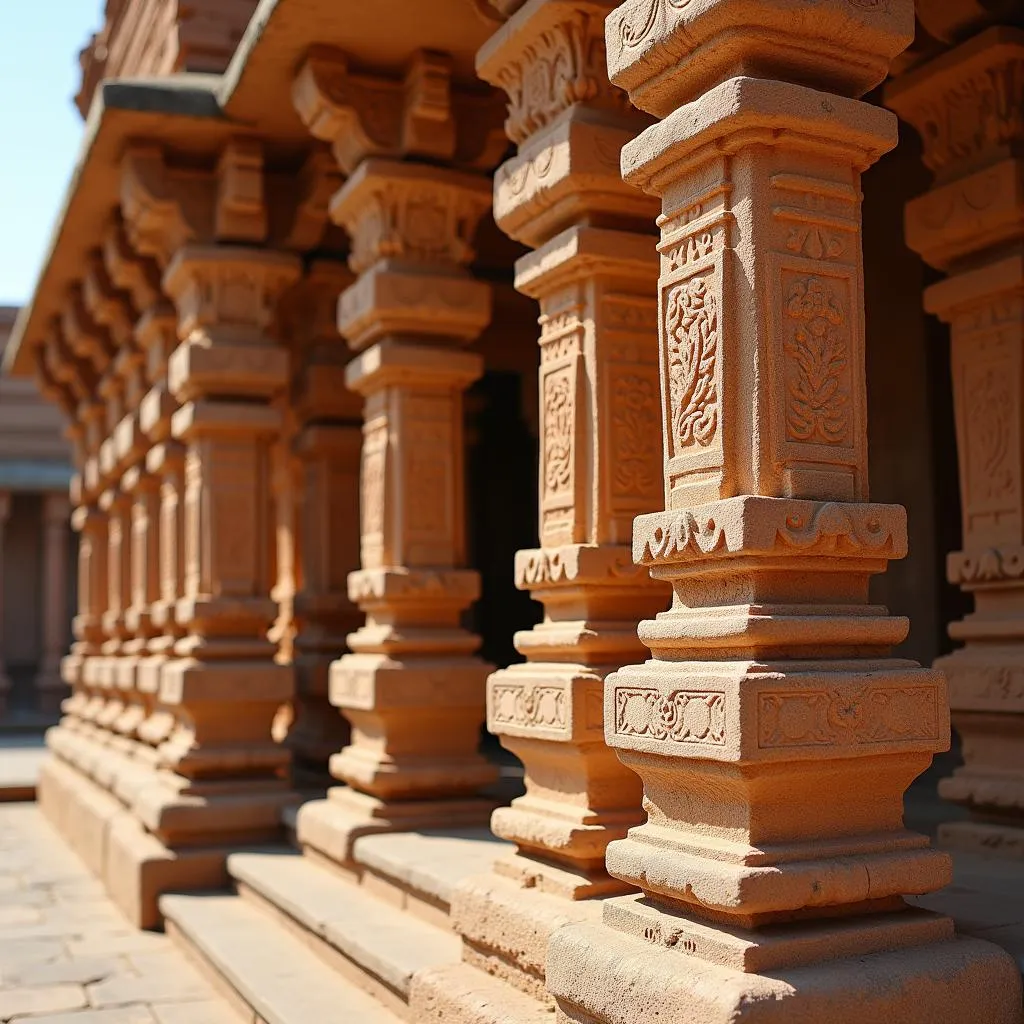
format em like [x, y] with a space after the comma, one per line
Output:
[422, 115]
[85, 338]
[130, 271]
[781, 527]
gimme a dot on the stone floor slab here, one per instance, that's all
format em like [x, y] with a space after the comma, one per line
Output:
[68, 957]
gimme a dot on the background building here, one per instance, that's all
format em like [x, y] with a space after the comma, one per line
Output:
[38, 560]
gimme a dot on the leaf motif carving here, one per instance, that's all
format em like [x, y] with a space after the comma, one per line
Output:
[691, 339]
[817, 404]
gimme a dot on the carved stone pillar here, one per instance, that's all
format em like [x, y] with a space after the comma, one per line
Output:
[87, 626]
[594, 272]
[223, 686]
[50, 688]
[772, 730]
[322, 520]
[5, 682]
[967, 105]
[117, 506]
[165, 464]
[411, 687]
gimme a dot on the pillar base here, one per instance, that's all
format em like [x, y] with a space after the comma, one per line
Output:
[134, 866]
[600, 975]
[506, 928]
[332, 826]
[982, 837]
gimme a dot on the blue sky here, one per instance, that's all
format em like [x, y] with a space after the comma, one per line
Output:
[40, 129]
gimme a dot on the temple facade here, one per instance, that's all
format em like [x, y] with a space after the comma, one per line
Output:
[37, 562]
[549, 492]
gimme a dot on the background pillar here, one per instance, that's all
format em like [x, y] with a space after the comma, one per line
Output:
[966, 103]
[50, 687]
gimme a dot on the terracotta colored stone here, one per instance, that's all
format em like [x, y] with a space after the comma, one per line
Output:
[411, 687]
[598, 407]
[966, 105]
[773, 732]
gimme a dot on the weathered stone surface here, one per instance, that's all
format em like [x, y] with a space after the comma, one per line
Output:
[771, 672]
[383, 941]
[90, 966]
[268, 968]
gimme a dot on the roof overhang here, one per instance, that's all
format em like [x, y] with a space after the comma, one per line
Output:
[194, 115]
[184, 112]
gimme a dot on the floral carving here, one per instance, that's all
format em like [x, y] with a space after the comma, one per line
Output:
[990, 565]
[775, 526]
[683, 716]
[634, 32]
[690, 249]
[525, 706]
[559, 410]
[372, 485]
[635, 426]
[869, 714]
[691, 342]
[561, 66]
[990, 409]
[816, 409]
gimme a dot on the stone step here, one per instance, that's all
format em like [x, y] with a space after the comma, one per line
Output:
[462, 993]
[386, 943]
[272, 974]
[427, 865]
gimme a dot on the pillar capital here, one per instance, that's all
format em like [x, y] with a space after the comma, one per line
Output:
[569, 127]
[226, 298]
[665, 53]
[412, 229]
[540, 36]
[965, 104]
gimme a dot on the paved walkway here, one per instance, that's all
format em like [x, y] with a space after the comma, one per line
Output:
[66, 954]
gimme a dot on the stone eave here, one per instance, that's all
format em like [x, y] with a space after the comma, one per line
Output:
[258, 82]
[182, 112]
